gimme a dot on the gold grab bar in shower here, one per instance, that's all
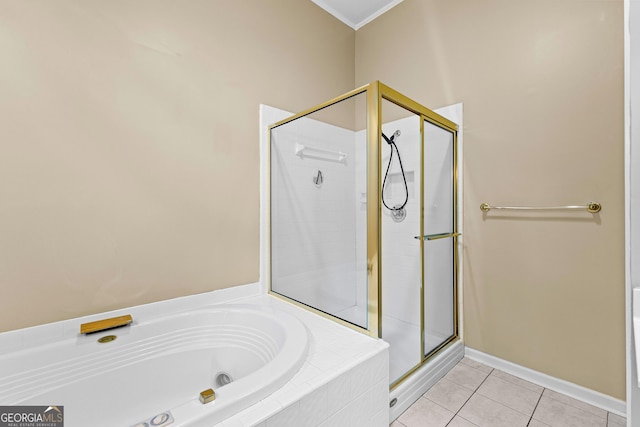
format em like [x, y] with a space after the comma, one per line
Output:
[437, 236]
[104, 324]
[591, 207]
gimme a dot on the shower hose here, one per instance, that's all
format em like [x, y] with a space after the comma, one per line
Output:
[393, 145]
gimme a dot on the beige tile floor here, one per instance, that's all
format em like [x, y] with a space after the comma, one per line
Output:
[475, 395]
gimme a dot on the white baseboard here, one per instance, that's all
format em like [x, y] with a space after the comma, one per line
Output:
[584, 394]
[424, 378]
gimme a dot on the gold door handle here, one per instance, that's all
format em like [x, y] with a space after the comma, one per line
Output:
[437, 236]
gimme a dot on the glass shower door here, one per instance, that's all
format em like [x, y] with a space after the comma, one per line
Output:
[439, 240]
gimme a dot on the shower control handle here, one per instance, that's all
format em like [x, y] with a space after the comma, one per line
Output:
[437, 236]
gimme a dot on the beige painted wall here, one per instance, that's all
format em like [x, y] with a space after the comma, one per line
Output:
[123, 125]
[542, 87]
[129, 150]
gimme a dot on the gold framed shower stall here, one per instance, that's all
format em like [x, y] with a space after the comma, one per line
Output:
[372, 96]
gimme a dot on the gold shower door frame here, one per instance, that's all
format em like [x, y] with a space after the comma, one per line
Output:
[376, 92]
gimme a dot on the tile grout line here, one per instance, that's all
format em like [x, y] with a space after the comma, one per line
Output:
[571, 404]
[500, 403]
[472, 394]
[536, 407]
[514, 409]
[509, 407]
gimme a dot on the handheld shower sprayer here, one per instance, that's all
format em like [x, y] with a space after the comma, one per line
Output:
[398, 212]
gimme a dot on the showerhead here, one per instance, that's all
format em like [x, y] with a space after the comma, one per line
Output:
[393, 137]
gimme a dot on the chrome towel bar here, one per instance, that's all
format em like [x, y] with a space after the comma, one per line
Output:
[592, 207]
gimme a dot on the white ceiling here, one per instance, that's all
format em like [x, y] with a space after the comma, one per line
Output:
[356, 13]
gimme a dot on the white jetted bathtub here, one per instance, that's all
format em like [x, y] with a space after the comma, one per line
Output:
[153, 372]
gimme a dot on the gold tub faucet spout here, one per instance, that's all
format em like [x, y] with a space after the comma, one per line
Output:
[104, 324]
